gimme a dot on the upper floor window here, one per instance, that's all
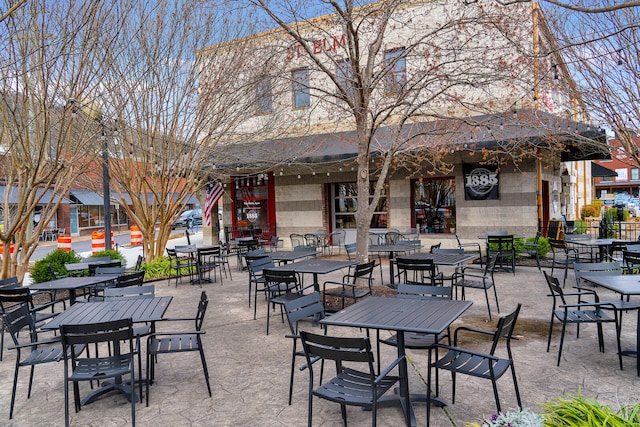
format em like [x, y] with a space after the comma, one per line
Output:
[397, 77]
[635, 174]
[301, 91]
[263, 96]
[344, 75]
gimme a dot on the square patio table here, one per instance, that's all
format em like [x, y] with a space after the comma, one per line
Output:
[600, 244]
[315, 267]
[401, 315]
[138, 309]
[72, 284]
[288, 256]
[625, 285]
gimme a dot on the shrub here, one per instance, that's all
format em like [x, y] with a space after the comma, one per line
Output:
[513, 418]
[543, 246]
[581, 411]
[589, 211]
[157, 269]
[57, 259]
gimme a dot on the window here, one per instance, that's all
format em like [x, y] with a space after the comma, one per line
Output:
[635, 174]
[344, 75]
[397, 77]
[93, 216]
[301, 92]
[345, 203]
[263, 96]
[434, 205]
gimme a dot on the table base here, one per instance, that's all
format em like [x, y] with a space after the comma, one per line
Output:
[109, 386]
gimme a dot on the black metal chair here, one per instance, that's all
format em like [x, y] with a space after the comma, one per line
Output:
[471, 278]
[11, 282]
[209, 259]
[103, 265]
[351, 387]
[178, 342]
[631, 261]
[470, 247]
[180, 264]
[131, 279]
[298, 309]
[418, 271]
[580, 312]
[502, 247]
[256, 277]
[531, 249]
[563, 257]
[280, 287]
[354, 285]
[458, 360]
[38, 352]
[118, 364]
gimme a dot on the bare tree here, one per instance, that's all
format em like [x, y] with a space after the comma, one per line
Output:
[49, 56]
[448, 65]
[160, 137]
[603, 52]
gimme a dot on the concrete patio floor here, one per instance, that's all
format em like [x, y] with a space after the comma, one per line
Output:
[250, 370]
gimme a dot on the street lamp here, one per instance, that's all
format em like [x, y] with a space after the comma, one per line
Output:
[95, 113]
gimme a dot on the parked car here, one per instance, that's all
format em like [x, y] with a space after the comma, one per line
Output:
[633, 205]
[189, 219]
[622, 200]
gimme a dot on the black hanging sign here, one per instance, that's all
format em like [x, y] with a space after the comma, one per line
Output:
[480, 182]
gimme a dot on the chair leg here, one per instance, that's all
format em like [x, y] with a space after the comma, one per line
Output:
[550, 332]
[204, 368]
[13, 392]
[486, 296]
[495, 392]
[618, 329]
[515, 384]
[564, 327]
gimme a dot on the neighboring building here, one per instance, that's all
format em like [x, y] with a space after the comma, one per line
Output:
[626, 176]
[300, 176]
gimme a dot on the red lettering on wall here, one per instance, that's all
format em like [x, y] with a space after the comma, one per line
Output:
[319, 46]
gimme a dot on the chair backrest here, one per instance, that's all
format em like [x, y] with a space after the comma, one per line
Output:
[202, 309]
[363, 271]
[179, 248]
[94, 267]
[435, 247]
[421, 269]
[392, 237]
[312, 240]
[376, 239]
[171, 253]
[350, 249]
[633, 248]
[423, 291]
[582, 269]
[212, 252]
[95, 333]
[504, 330]
[288, 278]
[101, 270]
[139, 262]
[10, 282]
[458, 239]
[338, 236]
[132, 279]
[256, 266]
[147, 291]
[11, 296]
[256, 253]
[186, 233]
[631, 259]
[500, 243]
[309, 305]
[556, 290]
[18, 319]
[297, 240]
[338, 349]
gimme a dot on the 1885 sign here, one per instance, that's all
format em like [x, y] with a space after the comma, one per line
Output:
[480, 182]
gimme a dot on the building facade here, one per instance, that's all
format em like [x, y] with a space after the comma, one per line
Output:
[478, 156]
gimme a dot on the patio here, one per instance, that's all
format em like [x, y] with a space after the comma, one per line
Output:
[250, 370]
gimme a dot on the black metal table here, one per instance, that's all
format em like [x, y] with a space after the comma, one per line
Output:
[315, 267]
[625, 285]
[286, 256]
[72, 284]
[138, 309]
[401, 315]
[602, 245]
[192, 252]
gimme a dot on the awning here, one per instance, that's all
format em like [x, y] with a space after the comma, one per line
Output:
[598, 170]
[47, 197]
[88, 197]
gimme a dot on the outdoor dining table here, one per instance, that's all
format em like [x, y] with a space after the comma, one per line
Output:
[80, 267]
[625, 285]
[287, 256]
[602, 245]
[192, 252]
[315, 267]
[401, 315]
[72, 284]
[138, 309]
[391, 250]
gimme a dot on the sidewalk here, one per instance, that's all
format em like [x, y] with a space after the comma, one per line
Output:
[250, 370]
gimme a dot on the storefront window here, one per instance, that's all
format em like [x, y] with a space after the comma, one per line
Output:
[251, 206]
[93, 216]
[435, 205]
[345, 204]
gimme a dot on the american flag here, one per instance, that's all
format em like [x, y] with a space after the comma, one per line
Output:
[213, 194]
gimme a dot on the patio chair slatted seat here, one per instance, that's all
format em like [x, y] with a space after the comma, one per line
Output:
[353, 286]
